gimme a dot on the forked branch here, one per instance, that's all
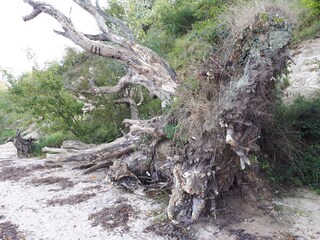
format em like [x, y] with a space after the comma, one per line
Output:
[145, 67]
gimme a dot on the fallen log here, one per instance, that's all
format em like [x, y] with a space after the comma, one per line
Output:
[76, 145]
[55, 150]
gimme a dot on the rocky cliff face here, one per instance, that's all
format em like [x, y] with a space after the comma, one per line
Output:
[304, 76]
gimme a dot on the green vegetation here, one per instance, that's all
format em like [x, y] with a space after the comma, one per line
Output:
[53, 140]
[309, 21]
[41, 97]
[170, 130]
[181, 31]
[6, 134]
[293, 145]
[312, 4]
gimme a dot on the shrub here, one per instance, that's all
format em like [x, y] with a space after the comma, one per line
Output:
[53, 140]
[313, 4]
[308, 27]
[5, 134]
[292, 145]
[170, 130]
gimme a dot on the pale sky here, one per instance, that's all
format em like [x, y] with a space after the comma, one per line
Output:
[37, 35]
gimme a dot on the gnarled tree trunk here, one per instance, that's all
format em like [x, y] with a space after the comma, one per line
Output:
[216, 157]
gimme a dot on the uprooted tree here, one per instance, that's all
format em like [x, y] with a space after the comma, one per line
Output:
[220, 132]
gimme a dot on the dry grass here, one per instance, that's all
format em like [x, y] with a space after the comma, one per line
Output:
[16, 173]
[168, 230]
[241, 14]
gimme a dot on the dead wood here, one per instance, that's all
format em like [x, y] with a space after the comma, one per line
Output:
[221, 128]
[94, 167]
[54, 150]
[144, 67]
[76, 145]
[24, 146]
[219, 149]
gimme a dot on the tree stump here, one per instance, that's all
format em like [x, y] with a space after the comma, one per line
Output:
[24, 146]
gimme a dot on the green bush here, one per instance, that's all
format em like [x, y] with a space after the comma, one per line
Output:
[177, 18]
[182, 16]
[5, 134]
[53, 140]
[309, 27]
[313, 4]
[293, 143]
[170, 130]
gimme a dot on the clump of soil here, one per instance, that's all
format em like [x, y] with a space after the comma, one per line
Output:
[9, 231]
[170, 231]
[113, 217]
[63, 182]
[72, 200]
[16, 173]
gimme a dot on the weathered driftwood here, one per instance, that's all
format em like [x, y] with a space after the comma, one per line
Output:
[54, 150]
[76, 145]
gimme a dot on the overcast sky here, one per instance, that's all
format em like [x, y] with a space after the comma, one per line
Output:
[36, 35]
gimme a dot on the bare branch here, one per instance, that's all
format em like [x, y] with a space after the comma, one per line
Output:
[94, 89]
[147, 68]
[76, 36]
[141, 98]
[100, 20]
[32, 15]
[133, 106]
[97, 37]
[117, 22]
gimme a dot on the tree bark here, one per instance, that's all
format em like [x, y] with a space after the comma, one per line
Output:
[145, 67]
